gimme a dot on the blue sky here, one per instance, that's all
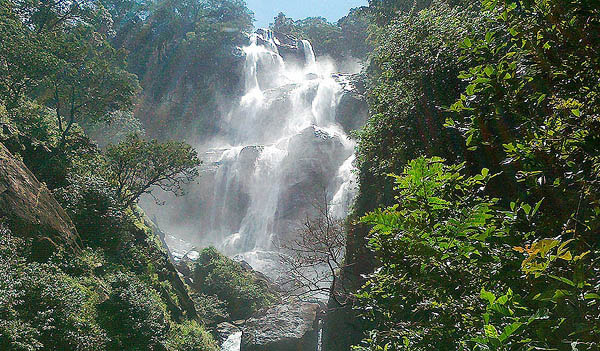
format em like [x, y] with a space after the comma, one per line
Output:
[266, 10]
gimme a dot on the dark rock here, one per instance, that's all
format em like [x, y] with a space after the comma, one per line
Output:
[271, 284]
[288, 327]
[313, 160]
[183, 306]
[352, 111]
[245, 265]
[31, 211]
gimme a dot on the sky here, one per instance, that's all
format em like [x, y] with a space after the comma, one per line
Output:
[333, 10]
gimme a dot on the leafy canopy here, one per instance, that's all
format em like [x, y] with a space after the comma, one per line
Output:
[135, 165]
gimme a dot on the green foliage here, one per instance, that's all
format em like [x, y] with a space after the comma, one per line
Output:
[26, 71]
[530, 106]
[184, 52]
[88, 302]
[412, 74]
[29, 130]
[443, 245]
[93, 207]
[342, 40]
[91, 83]
[134, 316]
[115, 130]
[209, 308]
[243, 293]
[190, 336]
[58, 70]
[473, 262]
[434, 250]
[43, 308]
[135, 165]
[70, 66]
[354, 33]
[386, 11]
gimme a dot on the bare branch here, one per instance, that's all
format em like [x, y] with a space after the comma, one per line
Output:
[314, 257]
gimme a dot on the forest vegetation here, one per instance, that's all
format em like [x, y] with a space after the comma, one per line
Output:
[478, 177]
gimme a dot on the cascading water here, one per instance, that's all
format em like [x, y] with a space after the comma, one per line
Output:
[309, 54]
[280, 147]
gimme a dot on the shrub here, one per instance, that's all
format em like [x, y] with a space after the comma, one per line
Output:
[215, 274]
[41, 308]
[434, 251]
[136, 166]
[91, 203]
[134, 315]
[190, 336]
[209, 308]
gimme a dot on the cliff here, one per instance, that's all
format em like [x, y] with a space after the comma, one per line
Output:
[31, 211]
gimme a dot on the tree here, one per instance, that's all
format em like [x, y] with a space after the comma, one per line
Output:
[466, 261]
[386, 11]
[182, 54]
[135, 165]
[434, 252]
[24, 61]
[341, 40]
[134, 315]
[355, 32]
[91, 204]
[90, 82]
[242, 290]
[57, 53]
[312, 260]
[412, 74]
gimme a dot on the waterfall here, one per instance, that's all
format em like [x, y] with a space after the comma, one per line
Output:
[342, 200]
[309, 54]
[279, 144]
[320, 336]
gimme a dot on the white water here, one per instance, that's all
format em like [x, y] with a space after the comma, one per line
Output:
[233, 342]
[320, 336]
[309, 54]
[280, 142]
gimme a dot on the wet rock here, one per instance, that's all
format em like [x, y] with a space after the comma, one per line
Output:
[287, 45]
[313, 161]
[288, 327]
[31, 211]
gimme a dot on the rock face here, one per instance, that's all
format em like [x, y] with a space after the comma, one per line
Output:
[307, 170]
[286, 45]
[353, 110]
[290, 327]
[31, 211]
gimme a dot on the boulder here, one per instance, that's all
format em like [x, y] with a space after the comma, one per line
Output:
[286, 327]
[31, 211]
[313, 160]
[352, 111]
